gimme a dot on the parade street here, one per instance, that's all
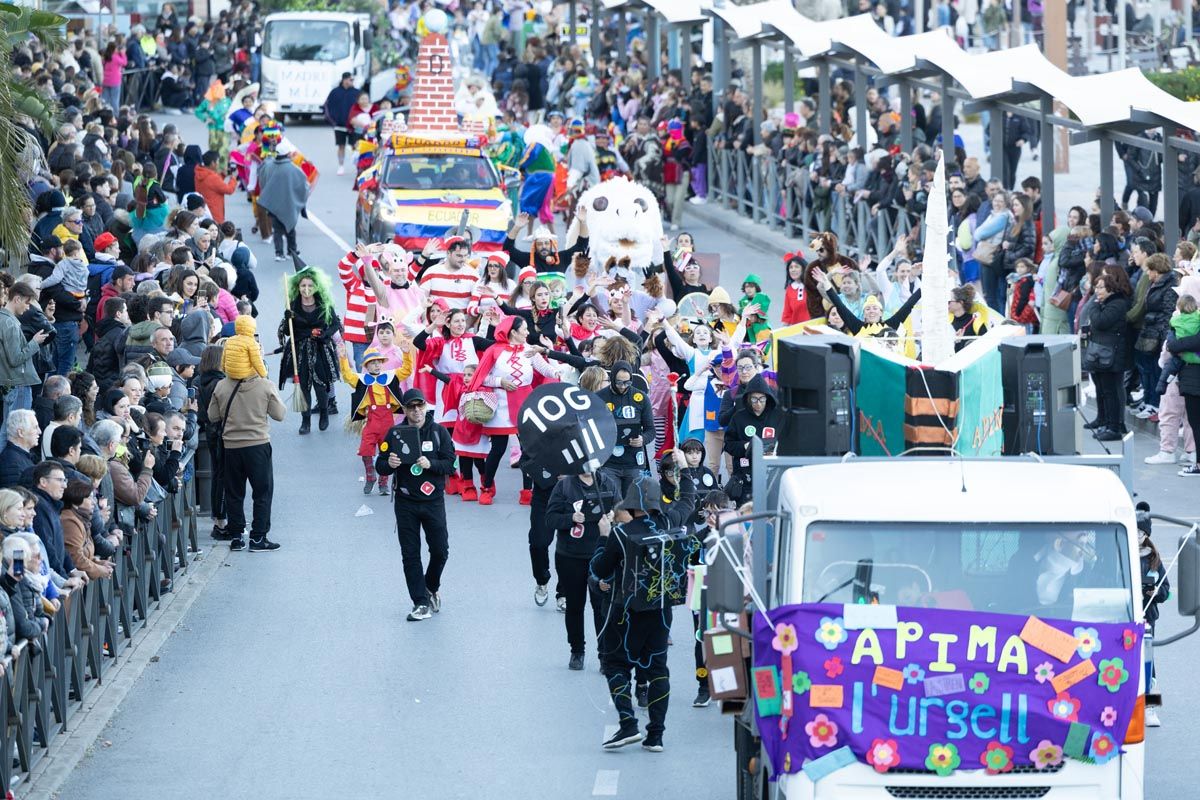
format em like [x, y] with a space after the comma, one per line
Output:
[297, 676]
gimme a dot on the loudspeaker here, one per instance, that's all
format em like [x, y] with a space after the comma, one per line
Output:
[817, 376]
[1040, 376]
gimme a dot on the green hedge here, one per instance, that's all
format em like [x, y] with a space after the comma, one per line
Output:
[1184, 84]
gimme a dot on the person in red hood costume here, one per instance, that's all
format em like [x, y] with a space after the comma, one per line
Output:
[507, 376]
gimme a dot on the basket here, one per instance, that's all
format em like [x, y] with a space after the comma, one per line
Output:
[478, 407]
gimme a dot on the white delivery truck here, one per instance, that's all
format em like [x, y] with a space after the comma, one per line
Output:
[304, 54]
[941, 533]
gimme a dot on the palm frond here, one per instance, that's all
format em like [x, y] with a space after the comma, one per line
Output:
[14, 207]
[19, 23]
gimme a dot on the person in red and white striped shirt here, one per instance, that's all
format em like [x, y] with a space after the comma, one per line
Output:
[359, 299]
[452, 280]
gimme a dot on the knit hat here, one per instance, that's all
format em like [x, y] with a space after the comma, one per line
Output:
[526, 274]
[719, 295]
[158, 375]
[542, 233]
[244, 325]
[104, 241]
[450, 241]
[1142, 214]
[498, 257]
[675, 129]
[872, 300]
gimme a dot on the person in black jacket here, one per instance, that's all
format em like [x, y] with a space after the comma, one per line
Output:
[337, 112]
[49, 482]
[22, 596]
[1017, 131]
[1105, 354]
[105, 360]
[758, 415]
[635, 423]
[420, 502]
[576, 506]
[637, 637]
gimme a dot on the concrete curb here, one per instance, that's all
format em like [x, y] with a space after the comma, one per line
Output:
[76, 742]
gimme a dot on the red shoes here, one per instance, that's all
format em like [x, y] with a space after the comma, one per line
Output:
[453, 484]
[487, 495]
[526, 497]
[468, 493]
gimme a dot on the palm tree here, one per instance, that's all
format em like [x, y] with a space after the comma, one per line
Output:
[20, 108]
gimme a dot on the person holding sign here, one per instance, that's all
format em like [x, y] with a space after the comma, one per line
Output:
[419, 487]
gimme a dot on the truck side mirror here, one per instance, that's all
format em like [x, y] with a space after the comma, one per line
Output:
[368, 39]
[1188, 577]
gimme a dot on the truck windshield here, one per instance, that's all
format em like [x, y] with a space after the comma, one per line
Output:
[438, 171]
[306, 40]
[1078, 572]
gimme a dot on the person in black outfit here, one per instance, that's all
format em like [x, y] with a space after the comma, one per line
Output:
[632, 638]
[1017, 131]
[576, 506]
[541, 532]
[1105, 355]
[315, 323]
[635, 421]
[420, 502]
[758, 415]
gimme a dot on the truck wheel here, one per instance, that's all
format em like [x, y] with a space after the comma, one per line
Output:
[745, 749]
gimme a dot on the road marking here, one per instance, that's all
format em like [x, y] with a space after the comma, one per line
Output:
[606, 783]
[325, 229]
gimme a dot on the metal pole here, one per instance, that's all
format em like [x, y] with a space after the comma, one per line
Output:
[996, 137]
[654, 46]
[824, 110]
[789, 80]
[756, 68]
[860, 105]
[1107, 196]
[573, 21]
[1089, 30]
[622, 35]
[684, 45]
[720, 70]
[1120, 34]
[1170, 192]
[1016, 36]
[919, 21]
[906, 113]
[948, 120]
[1047, 145]
[673, 48]
[594, 18]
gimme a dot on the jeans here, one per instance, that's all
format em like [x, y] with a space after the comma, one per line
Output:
[357, 349]
[637, 638]
[17, 397]
[676, 200]
[279, 233]
[66, 342]
[249, 464]
[1147, 367]
[112, 96]
[995, 288]
[411, 517]
[491, 60]
[573, 582]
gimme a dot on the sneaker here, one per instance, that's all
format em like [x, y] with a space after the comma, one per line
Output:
[1152, 720]
[1187, 458]
[698, 201]
[628, 733]
[419, 613]
[643, 695]
[1095, 424]
[263, 545]
[435, 601]
[1189, 471]
[487, 495]
[653, 743]
[1135, 397]
[383, 489]
[526, 497]
[368, 486]
[341, 169]
[702, 698]
[576, 662]
[561, 602]
[1145, 412]
[1161, 457]
[278, 257]
[541, 594]
[221, 534]
[468, 493]
[237, 543]
[1108, 435]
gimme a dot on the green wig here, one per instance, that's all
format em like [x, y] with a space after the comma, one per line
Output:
[324, 293]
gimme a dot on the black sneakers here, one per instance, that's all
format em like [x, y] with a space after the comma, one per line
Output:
[702, 698]
[576, 662]
[263, 545]
[367, 487]
[221, 534]
[643, 695]
[628, 733]
[237, 543]
[419, 613]
[653, 743]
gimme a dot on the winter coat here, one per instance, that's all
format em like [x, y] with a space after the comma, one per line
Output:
[1161, 297]
[430, 484]
[745, 425]
[213, 189]
[185, 178]
[24, 604]
[1108, 326]
[77, 537]
[1022, 243]
[47, 526]
[16, 353]
[1189, 376]
[105, 360]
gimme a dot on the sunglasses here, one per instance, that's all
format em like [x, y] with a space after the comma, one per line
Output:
[621, 384]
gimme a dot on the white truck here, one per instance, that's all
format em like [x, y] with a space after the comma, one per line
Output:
[305, 53]
[910, 531]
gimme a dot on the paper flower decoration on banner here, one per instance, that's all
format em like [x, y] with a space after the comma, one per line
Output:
[833, 667]
[1128, 639]
[1113, 674]
[832, 632]
[1046, 755]
[1089, 641]
[997, 758]
[822, 731]
[942, 759]
[801, 683]
[913, 673]
[883, 754]
[979, 683]
[1103, 748]
[1043, 672]
[785, 638]
[1064, 707]
[1108, 717]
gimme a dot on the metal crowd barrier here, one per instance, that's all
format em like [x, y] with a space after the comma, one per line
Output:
[140, 86]
[45, 681]
[781, 196]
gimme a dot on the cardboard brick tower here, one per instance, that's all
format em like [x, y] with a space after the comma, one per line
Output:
[431, 108]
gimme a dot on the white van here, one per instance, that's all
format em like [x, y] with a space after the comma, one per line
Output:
[305, 53]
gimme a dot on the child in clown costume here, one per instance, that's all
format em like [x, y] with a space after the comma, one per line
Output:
[213, 112]
[374, 402]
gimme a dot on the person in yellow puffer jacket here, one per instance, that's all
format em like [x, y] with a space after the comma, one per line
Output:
[243, 356]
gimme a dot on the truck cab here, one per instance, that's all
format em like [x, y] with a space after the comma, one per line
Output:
[304, 54]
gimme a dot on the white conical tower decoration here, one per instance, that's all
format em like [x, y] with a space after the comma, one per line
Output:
[937, 336]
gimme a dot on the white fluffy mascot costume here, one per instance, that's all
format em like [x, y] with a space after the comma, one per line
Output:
[624, 228]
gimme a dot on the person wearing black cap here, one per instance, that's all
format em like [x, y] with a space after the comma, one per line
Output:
[635, 421]
[420, 502]
[637, 637]
[337, 110]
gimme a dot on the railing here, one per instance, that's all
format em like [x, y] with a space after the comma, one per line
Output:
[47, 680]
[139, 87]
[781, 197]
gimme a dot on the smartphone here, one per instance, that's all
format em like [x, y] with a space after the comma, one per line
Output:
[19, 564]
[191, 393]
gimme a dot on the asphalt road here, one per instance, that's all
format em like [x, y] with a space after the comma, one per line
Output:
[295, 675]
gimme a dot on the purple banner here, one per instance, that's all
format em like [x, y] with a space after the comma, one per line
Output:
[938, 690]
